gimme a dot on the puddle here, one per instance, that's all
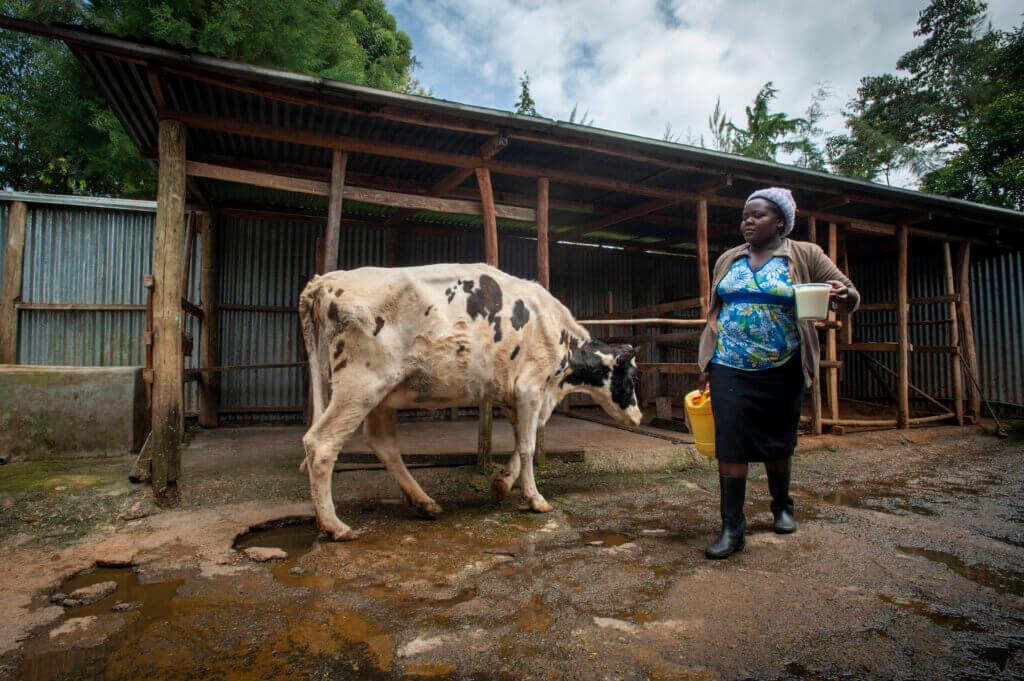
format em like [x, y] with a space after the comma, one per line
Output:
[1002, 581]
[296, 539]
[607, 537]
[998, 656]
[945, 620]
[883, 502]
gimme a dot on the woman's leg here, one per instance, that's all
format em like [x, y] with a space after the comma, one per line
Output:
[778, 473]
[732, 485]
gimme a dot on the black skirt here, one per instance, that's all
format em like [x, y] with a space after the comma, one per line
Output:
[756, 412]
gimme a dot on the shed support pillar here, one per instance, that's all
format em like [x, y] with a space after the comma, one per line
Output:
[209, 356]
[703, 262]
[903, 336]
[831, 349]
[10, 292]
[486, 424]
[966, 324]
[332, 236]
[168, 362]
[955, 372]
[544, 278]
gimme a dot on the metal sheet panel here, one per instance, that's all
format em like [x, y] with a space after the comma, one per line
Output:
[5, 208]
[997, 303]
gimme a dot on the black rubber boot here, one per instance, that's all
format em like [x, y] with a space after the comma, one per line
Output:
[734, 524]
[782, 503]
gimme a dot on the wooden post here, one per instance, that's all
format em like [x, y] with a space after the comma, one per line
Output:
[544, 279]
[956, 374]
[812, 230]
[543, 271]
[209, 356]
[483, 178]
[10, 292]
[966, 324]
[816, 404]
[390, 247]
[703, 263]
[903, 335]
[332, 237]
[486, 422]
[831, 351]
[168, 363]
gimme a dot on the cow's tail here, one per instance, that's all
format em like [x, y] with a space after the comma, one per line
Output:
[309, 318]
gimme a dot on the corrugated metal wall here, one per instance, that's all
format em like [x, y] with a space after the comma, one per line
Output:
[5, 208]
[92, 254]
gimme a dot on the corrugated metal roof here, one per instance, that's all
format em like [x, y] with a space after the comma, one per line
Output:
[199, 83]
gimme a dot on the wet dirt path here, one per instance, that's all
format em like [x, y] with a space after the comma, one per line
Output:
[908, 564]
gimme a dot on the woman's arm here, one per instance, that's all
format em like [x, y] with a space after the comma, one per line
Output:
[823, 270]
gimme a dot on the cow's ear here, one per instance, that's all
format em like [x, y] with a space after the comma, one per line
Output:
[624, 353]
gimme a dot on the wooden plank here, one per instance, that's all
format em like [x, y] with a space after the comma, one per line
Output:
[917, 420]
[910, 385]
[543, 266]
[873, 229]
[703, 261]
[168, 364]
[913, 302]
[616, 218]
[332, 234]
[242, 367]
[236, 307]
[192, 308]
[672, 306]
[688, 368]
[816, 419]
[656, 338]
[450, 459]
[485, 429]
[812, 229]
[685, 323]
[209, 296]
[902, 331]
[831, 339]
[966, 325]
[954, 337]
[937, 349]
[190, 245]
[81, 307]
[483, 178]
[830, 364]
[870, 347]
[10, 289]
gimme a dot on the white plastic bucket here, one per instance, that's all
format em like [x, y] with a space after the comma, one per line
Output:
[811, 300]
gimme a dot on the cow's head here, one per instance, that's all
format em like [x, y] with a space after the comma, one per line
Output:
[607, 373]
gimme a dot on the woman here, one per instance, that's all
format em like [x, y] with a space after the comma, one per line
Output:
[760, 358]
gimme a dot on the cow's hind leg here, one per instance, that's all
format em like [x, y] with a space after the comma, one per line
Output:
[380, 435]
[502, 484]
[322, 443]
[526, 442]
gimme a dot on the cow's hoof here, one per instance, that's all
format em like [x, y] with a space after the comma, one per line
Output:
[541, 506]
[499, 490]
[428, 509]
[344, 535]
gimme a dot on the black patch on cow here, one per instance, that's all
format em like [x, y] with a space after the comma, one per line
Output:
[588, 368]
[497, 329]
[623, 386]
[520, 315]
[332, 312]
[427, 311]
[574, 343]
[341, 365]
[563, 364]
[514, 353]
[563, 338]
[450, 293]
[338, 350]
[379, 321]
[485, 300]
[339, 292]
[462, 349]
[467, 285]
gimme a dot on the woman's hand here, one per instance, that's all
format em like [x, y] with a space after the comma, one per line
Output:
[702, 382]
[839, 295]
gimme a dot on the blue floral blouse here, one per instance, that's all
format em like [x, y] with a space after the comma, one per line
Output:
[757, 323]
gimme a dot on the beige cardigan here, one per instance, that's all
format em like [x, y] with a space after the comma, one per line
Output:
[807, 264]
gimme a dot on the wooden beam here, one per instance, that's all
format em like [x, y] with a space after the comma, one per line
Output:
[332, 234]
[615, 218]
[360, 145]
[703, 260]
[684, 323]
[378, 196]
[209, 334]
[656, 338]
[661, 308]
[10, 289]
[902, 311]
[456, 177]
[714, 185]
[831, 351]
[812, 229]
[156, 86]
[872, 347]
[168, 363]
[687, 368]
[832, 202]
[485, 425]
[966, 325]
[955, 371]
[190, 246]
[543, 267]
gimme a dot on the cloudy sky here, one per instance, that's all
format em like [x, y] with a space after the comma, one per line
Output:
[636, 65]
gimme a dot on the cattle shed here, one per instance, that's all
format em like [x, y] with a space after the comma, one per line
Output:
[266, 177]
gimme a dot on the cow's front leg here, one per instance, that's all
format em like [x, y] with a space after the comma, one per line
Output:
[526, 443]
[322, 443]
[502, 484]
[380, 435]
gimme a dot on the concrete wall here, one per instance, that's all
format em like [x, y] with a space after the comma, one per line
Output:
[57, 411]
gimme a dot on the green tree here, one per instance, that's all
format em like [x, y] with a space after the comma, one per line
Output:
[767, 133]
[525, 104]
[68, 131]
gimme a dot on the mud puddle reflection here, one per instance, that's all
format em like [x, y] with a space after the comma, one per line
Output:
[296, 539]
[945, 620]
[1002, 581]
[876, 500]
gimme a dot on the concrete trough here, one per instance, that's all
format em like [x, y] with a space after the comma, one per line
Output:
[63, 411]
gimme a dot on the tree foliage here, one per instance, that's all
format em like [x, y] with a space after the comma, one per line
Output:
[57, 132]
[525, 104]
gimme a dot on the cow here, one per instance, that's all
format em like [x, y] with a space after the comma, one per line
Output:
[439, 336]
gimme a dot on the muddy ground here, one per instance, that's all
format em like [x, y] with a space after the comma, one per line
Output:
[908, 564]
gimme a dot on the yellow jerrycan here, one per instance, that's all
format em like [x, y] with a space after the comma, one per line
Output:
[698, 408]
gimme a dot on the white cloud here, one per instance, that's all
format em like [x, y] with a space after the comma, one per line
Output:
[635, 65]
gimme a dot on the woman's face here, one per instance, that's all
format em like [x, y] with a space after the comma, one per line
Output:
[761, 223]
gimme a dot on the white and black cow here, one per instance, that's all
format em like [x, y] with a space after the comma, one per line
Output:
[439, 336]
